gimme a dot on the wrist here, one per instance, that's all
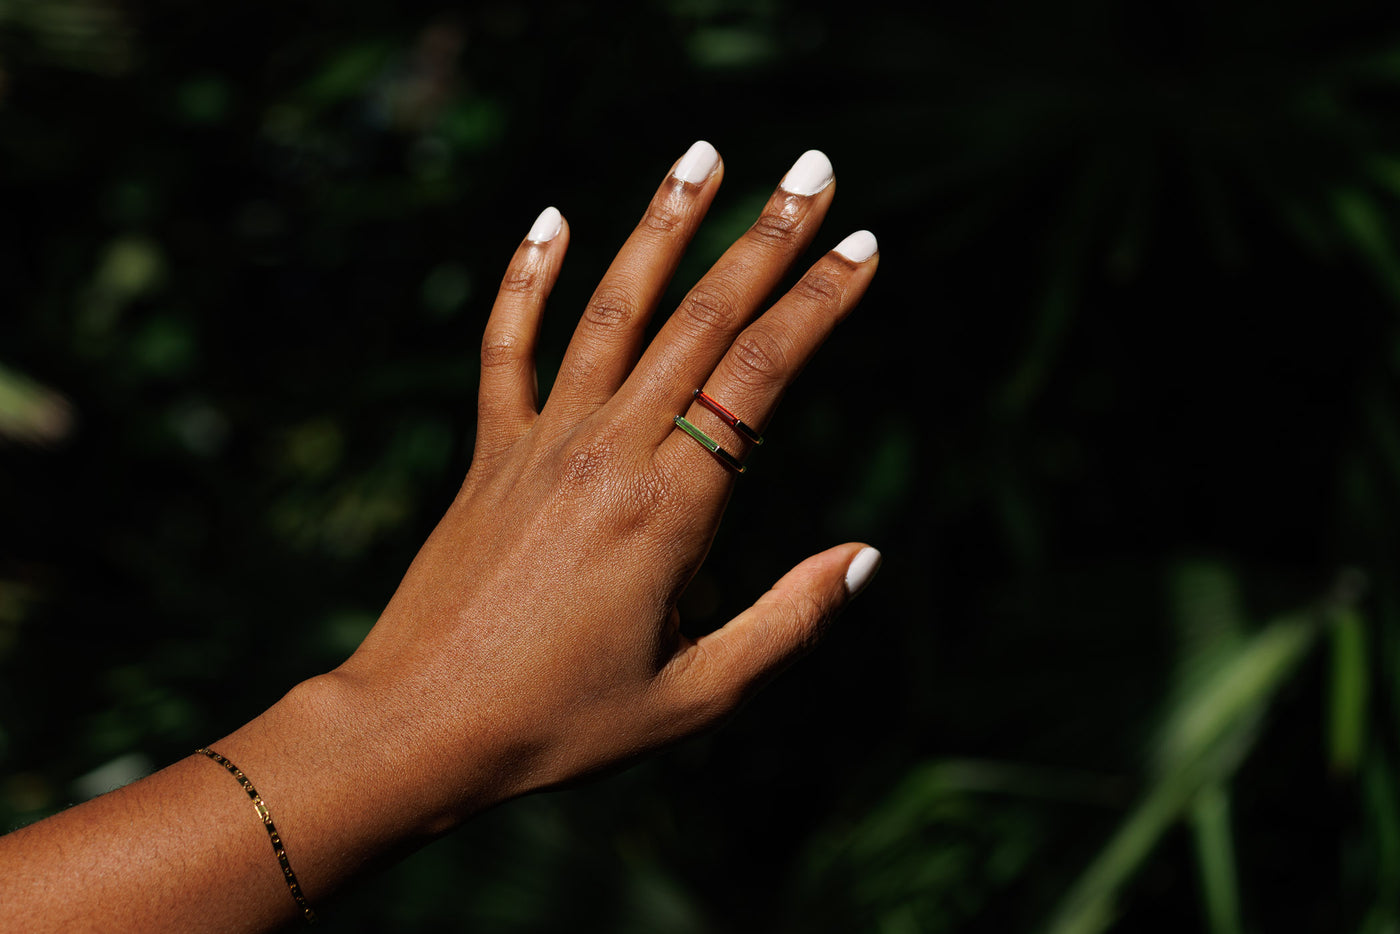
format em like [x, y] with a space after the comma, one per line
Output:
[380, 745]
[345, 780]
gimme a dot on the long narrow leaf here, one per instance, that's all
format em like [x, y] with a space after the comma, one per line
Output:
[1206, 739]
[1215, 858]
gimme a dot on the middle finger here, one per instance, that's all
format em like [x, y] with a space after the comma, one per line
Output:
[701, 329]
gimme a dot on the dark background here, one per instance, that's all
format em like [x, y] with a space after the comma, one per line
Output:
[1120, 409]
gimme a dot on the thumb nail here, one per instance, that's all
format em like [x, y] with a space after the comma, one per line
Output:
[861, 569]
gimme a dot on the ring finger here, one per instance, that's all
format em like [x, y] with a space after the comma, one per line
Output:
[766, 357]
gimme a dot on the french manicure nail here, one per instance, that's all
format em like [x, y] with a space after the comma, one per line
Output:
[697, 163]
[861, 569]
[858, 247]
[809, 174]
[547, 226]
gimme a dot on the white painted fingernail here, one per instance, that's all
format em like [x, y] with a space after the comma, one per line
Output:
[861, 569]
[697, 163]
[858, 247]
[809, 174]
[547, 226]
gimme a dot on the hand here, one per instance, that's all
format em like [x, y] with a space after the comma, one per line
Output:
[535, 638]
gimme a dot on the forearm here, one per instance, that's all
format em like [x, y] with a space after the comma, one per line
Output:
[534, 640]
[184, 849]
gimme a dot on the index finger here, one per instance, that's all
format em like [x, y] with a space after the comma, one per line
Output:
[607, 339]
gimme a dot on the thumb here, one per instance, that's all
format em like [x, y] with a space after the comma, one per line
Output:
[715, 674]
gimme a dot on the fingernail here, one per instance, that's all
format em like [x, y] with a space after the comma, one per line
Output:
[858, 247]
[697, 163]
[547, 226]
[809, 174]
[861, 569]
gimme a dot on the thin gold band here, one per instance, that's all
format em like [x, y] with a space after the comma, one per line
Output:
[266, 817]
[709, 444]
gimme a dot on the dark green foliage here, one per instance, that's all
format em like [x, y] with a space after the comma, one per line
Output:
[1122, 410]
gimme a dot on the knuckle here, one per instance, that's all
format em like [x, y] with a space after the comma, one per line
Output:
[584, 465]
[609, 310]
[819, 288]
[708, 307]
[805, 610]
[654, 494]
[500, 350]
[777, 226]
[710, 694]
[662, 217]
[588, 463]
[758, 358]
[520, 280]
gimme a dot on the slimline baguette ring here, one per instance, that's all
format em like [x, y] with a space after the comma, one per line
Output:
[710, 444]
[728, 417]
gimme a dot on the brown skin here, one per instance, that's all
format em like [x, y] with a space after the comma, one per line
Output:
[534, 640]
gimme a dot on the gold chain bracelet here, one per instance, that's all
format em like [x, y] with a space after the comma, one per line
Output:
[266, 816]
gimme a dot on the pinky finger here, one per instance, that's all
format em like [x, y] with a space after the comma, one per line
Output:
[508, 401]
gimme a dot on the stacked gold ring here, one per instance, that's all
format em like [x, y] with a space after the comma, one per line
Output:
[710, 444]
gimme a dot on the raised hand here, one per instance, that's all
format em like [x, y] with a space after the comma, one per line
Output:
[534, 639]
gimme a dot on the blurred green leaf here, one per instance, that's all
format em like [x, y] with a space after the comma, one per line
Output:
[1364, 222]
[446, 289]
[947, 838]
[1383, 817]
[1206, 736]
[1347, 707]
[735, 47]
[30, 411]
[1233, 694]
[346, 73]
[205, 99]
[1215, 856]
[473, 124]
[164, 346]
